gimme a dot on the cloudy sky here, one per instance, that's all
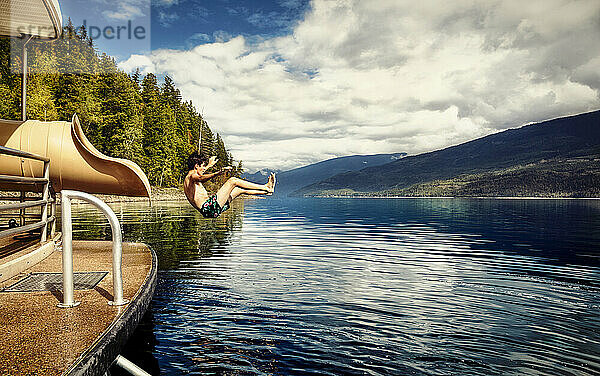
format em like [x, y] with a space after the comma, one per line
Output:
[291, 82]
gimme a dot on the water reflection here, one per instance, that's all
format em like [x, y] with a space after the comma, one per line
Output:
[445, 287]
[177, 233]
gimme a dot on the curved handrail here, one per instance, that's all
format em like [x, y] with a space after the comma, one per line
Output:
[67, 256]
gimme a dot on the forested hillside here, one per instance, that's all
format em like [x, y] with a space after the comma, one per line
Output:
[560, 157]
[291, 180]
[131, 117]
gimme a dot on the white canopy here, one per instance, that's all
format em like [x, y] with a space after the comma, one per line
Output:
[39, 18]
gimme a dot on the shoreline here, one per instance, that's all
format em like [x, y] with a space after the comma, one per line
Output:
[176, 194]
[465, 197]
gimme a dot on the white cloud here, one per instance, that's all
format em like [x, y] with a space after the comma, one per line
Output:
[221, 36]
[167, 19]
[165, 3]
[391, 76]
[197, 38]
[141, 62]
[128, 10]
[291, 4]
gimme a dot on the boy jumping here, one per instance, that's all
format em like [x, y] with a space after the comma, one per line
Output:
[213, 206]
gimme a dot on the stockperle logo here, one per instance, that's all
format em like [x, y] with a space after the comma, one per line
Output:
[124, 31]
[127, 30]
[80, 29]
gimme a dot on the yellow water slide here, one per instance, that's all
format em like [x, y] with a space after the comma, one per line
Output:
[74, 162]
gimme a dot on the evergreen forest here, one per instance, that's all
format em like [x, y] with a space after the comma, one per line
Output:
[126, 116]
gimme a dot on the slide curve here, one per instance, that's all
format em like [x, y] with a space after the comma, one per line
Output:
[74, 162]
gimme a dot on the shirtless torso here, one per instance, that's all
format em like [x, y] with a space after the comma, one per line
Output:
[194, 190]
[213, 206]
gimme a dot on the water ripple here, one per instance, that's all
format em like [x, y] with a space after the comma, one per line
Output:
[370, 287]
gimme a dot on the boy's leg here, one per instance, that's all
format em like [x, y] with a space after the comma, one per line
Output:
[224, 192]
[239, 191]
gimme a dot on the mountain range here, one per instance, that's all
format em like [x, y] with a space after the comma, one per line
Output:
[559, 157]
[292, 180]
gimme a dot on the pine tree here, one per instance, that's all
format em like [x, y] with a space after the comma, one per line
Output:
[123, 116]
[10, 83]
[136, 78]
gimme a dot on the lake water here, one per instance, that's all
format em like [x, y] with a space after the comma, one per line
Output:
[368, 287]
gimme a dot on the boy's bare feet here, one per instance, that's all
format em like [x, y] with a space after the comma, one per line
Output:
[271, 184]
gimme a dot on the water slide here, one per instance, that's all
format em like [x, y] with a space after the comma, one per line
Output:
[74, 162]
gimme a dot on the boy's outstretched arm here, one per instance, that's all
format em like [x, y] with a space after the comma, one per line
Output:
[199, 175]
[195, 176]
[202, 177]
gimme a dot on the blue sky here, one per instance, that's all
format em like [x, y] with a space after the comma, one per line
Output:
[292, 82]
[182, 24]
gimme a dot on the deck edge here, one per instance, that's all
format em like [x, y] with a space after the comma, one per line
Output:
[100, 356]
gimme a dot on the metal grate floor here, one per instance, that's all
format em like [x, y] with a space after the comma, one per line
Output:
[53, 282]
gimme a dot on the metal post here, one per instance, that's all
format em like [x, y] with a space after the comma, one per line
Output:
[24, 85]
[22, 211]
[117, 248]
[53, 215]
[24, 79]
[130, 366]
[45, 196]
[67, 254]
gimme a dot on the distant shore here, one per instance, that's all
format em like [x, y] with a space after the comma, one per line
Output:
[176, 194]
[469, 197]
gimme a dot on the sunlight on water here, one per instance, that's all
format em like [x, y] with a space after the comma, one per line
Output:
[369, 287]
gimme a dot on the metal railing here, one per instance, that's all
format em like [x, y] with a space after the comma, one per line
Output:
[129, 366]
[26, 202]
[67, 245]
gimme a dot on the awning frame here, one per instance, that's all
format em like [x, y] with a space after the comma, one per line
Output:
[16, 15]
[55, 17]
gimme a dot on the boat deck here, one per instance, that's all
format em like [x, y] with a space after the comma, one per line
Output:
[38, 338]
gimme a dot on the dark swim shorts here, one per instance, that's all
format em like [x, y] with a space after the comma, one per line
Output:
[211, 208]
